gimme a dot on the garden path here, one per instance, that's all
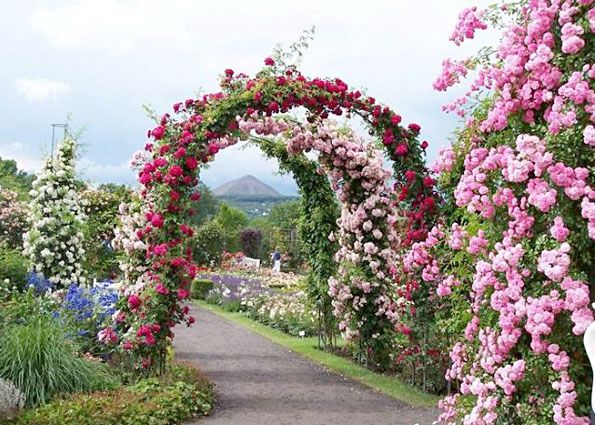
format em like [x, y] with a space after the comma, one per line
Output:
[258, 382]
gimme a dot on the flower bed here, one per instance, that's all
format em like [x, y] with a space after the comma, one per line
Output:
[285, 309]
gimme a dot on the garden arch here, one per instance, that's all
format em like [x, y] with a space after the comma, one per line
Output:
[197, 130]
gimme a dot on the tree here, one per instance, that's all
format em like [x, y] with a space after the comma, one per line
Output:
[14, 179]
[207, 244]
[54, 242]
[250, 240]
[231, 220]
[206, 207]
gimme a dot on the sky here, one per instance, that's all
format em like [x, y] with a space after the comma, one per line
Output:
[98, 63]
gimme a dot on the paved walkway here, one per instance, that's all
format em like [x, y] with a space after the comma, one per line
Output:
[258, 382]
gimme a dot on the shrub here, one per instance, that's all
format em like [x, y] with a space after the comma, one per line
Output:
[11, 399]
[208, 244]
[200, 288]
[39, 359]
[178, 395]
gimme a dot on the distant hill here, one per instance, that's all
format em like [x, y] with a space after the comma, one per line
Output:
[247, 186]
[251, 195]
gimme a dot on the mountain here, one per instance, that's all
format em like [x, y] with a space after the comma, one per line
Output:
[251, 195]
[244, 187]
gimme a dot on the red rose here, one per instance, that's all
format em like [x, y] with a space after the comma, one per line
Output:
[213, 148]
[401, 149]
[179, 153]
[429, 203]
[410, 175]
[229, 72]
[175, 171]
[160, 249]
[428, 181]
[395, 119]
[269, 61]
[145, 178]
[183, 293]
[257, 96]
[133, 301]
[195, 196]
[157, 220]
[414, 127]
[424, 144]
[158, 132]
[191, 163]
[174, 196]
[177, 107]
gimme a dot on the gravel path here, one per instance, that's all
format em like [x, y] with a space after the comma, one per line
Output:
[258, 382]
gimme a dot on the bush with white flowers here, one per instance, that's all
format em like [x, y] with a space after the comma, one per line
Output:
[54, 242]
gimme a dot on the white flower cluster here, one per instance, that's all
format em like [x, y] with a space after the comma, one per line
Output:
[54, 242]
[11, 398]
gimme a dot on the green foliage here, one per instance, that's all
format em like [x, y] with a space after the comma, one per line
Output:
[231, 221]
[208, 243]
[39, 359]
[200, 288]
[179, 395]
[101, 209]
[13, 179]
[13, 266]
[206, 207]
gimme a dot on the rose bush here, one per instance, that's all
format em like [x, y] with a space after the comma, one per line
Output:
[512, 259]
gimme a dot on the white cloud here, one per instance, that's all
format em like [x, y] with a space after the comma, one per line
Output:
[41, 89]
[27, 159]
[105, 173]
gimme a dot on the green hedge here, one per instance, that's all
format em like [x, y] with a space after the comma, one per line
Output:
[200, 288]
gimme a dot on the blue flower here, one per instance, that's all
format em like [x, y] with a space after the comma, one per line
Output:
[38, 282]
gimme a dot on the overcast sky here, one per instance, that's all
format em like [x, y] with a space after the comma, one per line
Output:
[100, 61]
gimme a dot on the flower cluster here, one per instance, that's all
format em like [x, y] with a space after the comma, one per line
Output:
[13, 218]
[527, 74]
[54, 242]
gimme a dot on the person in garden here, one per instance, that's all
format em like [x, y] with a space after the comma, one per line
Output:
[276, 259]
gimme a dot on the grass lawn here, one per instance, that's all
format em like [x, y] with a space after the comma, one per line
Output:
[308, 347]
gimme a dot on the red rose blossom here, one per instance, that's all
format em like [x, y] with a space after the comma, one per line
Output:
[401, 149]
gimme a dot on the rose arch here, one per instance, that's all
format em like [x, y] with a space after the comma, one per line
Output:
[367, 296]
